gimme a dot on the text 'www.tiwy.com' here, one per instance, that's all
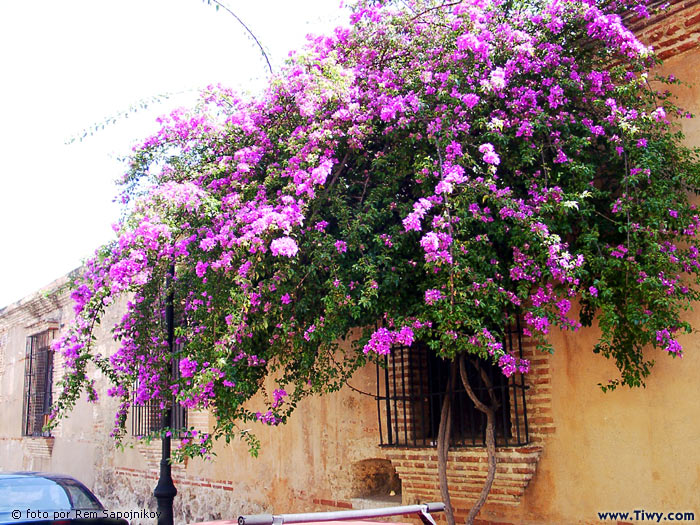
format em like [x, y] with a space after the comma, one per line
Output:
[643, 515]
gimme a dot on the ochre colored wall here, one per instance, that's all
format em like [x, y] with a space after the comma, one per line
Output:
[622, 450]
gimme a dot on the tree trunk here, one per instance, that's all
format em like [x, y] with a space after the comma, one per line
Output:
[443, 443]
[490, 411]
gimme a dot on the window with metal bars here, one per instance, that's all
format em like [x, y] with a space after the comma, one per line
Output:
[412, 384]
[147, 418]
[38, 384]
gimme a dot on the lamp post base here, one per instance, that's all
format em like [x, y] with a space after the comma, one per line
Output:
[165, 493]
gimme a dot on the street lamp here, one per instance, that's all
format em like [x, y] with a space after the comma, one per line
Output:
[165, 490]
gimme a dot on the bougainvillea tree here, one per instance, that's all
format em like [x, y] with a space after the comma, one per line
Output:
[426, 174]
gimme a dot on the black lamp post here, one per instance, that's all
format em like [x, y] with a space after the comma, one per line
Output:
[165, 490]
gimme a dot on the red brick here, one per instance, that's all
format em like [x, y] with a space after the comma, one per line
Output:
[667, 44]
[540, 419]
[692, 20]
[672, 30]
[686, 46]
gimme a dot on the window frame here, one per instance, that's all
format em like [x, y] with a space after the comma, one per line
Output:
[38, 383]
[147, 418]
[410, 392]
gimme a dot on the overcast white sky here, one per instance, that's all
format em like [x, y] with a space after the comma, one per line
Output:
[67, 65]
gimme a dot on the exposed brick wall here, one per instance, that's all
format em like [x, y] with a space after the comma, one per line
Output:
[153, 452]
[179, 477]
[466, 473]
[44, 305]
[467, 467]
[538, 395]
[199, 419]
[671, 32]
[38, 447]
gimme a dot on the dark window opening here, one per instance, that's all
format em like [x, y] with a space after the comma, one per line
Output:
[412, 384]
[38, 384]
[147, 418]
[375, 478]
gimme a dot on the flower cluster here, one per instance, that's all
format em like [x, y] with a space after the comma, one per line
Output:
[383, 340]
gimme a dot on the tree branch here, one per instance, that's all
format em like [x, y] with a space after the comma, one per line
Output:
[234, 15]
[443, 444]
[490, 412]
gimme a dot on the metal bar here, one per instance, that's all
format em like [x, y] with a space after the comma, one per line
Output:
[48, 389]
[404, 355]
[474, 429]
[462, 400]
[433, 377]
[379, 408]
[456, 433]
[52, 335]
[427, 376]
[39, 378]
[516, 411]
[136, 422]
[27, 385]
[30, 397]
[515, 392]
[390, 441]
[522, 378]
[525, 424]
[395, 396]
[505, 408]
[415, 400]
[426, 426]
[269, 519]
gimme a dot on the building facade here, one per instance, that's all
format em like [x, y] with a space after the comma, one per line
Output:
[567, 451]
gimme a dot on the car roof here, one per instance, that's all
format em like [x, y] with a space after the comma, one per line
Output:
[46, 479]
[49, 477]
[31, 474]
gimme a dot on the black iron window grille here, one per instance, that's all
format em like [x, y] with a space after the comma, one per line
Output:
[38, 384]
[412, 384]
[147, 418]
